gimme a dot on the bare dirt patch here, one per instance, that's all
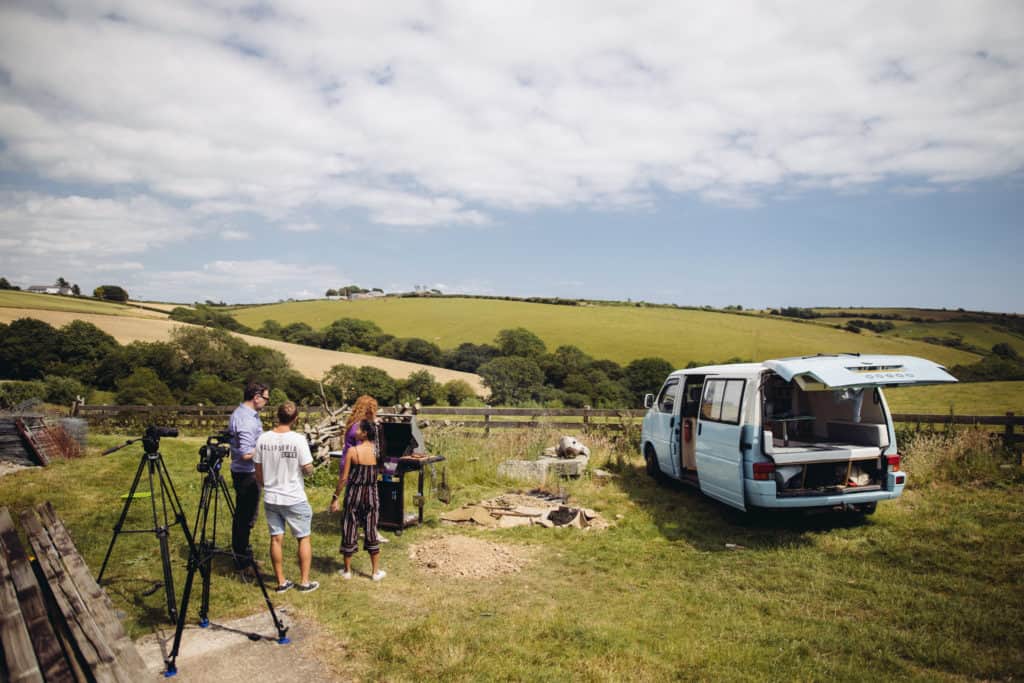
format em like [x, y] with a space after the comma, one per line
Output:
[466, 557]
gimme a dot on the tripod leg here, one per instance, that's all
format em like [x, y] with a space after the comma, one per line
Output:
[124, 515]
[282, 630]
[161, 534]
[171, 661]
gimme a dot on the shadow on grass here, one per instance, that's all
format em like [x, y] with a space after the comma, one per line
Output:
[682, 513]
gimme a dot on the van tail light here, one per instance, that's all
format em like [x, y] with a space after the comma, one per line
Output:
[894, 462]
[763, 471]
[900, 479]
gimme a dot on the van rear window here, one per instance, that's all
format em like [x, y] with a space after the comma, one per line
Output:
[722, 400]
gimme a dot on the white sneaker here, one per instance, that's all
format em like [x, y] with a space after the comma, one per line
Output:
[345, 574]
[378, 575]
[381, 538]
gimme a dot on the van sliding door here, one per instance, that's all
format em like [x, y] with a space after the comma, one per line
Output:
[719, 458]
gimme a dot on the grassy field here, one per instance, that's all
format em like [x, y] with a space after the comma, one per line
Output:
[927, 589]
[619, 333]
[52, 302]
[976, 398]
[981, 335]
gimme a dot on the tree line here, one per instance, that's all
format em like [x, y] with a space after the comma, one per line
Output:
[517, 367]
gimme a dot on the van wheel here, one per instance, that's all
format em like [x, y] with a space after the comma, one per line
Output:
[651, 461]
[868, 508]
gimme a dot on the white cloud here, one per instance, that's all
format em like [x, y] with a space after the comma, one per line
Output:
[234, 235]
[422, 115]
[36, 225]
[127, 265]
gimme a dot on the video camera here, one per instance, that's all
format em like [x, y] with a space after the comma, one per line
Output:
[216, 449]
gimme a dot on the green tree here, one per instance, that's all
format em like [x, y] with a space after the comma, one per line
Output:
[456, 391]
[645, 376]
[376, 383]
[28, 349]
[348, 333]
[143, 387]
[213, 351]
[467, 357]
[420, 386]
[1004, 350]
[76, 290]
[82, 347]
[270, 328]
[331, 292]
[211, 390]
[63, 390]
[340, 382]
[14, 393]
[563, 362]
[62, 283]
[520, 342]
[111, 293]
[412, 349]
[512, 379]
[4, 284]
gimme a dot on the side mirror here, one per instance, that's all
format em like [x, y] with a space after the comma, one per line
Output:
[648, 400]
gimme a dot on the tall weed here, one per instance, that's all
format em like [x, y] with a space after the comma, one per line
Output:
[969, 455]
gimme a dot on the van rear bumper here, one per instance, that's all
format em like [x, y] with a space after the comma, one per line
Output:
[764, 494]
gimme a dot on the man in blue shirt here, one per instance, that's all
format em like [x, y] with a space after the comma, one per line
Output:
[245, 427]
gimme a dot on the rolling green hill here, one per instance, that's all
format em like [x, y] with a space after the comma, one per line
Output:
[975, 398]
[619, 333]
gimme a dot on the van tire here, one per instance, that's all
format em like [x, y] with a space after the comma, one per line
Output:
[868, 508]
[651, 462]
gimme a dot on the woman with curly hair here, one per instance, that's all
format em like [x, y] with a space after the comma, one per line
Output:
[365, 408]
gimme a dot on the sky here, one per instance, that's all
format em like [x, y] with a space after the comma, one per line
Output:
[762, 154]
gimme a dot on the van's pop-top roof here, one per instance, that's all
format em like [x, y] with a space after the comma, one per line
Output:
[841, 371]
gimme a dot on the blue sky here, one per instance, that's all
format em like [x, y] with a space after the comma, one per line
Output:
[762, 154]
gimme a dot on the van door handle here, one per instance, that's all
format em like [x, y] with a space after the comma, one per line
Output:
[700, 425]
[672, 423]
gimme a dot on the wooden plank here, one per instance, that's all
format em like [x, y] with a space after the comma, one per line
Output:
[34, 449]
[87, 640]
[959, 419]
[96, 599]
[15, 643]
[52, 662]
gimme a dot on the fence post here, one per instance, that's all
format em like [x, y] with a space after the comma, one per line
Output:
[487, 424]
[1008, 432]
[586, 416]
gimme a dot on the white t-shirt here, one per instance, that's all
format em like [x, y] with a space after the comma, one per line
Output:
[282, 456]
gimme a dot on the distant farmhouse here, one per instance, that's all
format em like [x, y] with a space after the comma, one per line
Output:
[51, 289]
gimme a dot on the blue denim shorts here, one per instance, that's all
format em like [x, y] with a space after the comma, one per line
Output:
[298, 517]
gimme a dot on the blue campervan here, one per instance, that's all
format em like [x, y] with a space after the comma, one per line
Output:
[807, 432]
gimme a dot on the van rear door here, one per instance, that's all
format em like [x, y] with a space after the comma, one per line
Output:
[853, 371]
[719, 455]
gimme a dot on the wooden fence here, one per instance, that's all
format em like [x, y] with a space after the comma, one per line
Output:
[210, 419]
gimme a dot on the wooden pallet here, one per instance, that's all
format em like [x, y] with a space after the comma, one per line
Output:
[56, 623]
[38, 439]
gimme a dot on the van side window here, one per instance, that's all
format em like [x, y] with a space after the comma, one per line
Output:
[722, 400]
[667, 397]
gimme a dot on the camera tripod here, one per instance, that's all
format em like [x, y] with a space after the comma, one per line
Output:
[160, 486]
[201, 558]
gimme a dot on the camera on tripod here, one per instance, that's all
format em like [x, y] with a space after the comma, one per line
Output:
[216, 449]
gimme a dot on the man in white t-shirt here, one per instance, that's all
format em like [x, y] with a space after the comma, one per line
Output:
[282, 458]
